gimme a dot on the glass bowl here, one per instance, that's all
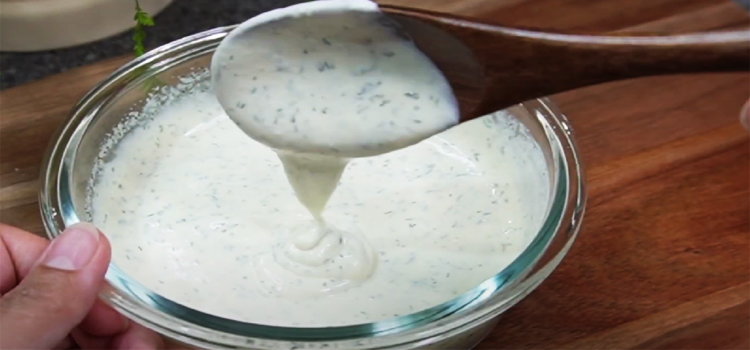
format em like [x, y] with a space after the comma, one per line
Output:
[458, 323]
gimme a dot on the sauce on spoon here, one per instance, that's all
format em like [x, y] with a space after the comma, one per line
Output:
[324, 81]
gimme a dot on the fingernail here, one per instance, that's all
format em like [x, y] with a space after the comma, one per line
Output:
[745, 116]
[74, 248]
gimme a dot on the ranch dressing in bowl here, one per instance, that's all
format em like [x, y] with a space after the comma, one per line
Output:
[189, 245]
[201, 214]
[214, 219]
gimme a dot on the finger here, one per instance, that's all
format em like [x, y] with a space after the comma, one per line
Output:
[66, 343]
[745, 115]
[19, 249]
[134, 338]
[58, 291]
[103, 321]
[88, 341]
[138, 337]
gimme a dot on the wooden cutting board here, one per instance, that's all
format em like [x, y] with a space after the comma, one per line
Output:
[663, 260]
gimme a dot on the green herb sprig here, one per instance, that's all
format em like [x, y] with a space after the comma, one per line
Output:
[142, 20]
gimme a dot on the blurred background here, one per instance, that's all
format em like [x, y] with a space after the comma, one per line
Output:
[58, 35]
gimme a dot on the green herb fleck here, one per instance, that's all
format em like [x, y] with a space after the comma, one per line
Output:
[142, 20]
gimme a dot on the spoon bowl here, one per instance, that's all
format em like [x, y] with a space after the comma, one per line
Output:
[332, 78]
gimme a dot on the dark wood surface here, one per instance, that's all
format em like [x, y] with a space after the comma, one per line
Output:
[663, 260]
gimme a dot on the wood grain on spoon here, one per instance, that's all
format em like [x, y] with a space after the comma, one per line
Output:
[492, 67]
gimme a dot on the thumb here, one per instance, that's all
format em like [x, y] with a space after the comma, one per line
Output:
[57, 293]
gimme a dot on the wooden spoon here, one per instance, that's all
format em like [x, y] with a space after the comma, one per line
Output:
[492, 67]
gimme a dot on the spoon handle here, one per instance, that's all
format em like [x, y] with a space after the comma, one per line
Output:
[553, 63]
[520, 64]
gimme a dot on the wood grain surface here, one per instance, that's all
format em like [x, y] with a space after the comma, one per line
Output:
[663, 260]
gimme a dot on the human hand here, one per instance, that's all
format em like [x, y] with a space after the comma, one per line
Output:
[745, 115]
[49, 294]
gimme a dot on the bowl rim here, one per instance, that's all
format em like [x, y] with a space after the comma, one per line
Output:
[564, 216]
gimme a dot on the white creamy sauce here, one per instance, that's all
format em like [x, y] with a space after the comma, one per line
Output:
[201, 214]
[328, 80]
[211, 218]
[332, 77]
